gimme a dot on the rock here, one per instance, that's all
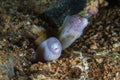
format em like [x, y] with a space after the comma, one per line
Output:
[114, 2]
[36, 6]
[6, 67]
[93, 46]
[61, 9]
[53, 11]
[40, 32]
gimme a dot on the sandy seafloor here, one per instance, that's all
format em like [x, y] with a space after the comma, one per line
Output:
[94, 56]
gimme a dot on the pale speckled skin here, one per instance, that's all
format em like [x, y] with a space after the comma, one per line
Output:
[72, 29]
[49, 50]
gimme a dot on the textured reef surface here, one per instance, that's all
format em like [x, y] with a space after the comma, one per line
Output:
[93, 56]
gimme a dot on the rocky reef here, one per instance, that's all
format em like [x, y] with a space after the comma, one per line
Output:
[94, 55]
